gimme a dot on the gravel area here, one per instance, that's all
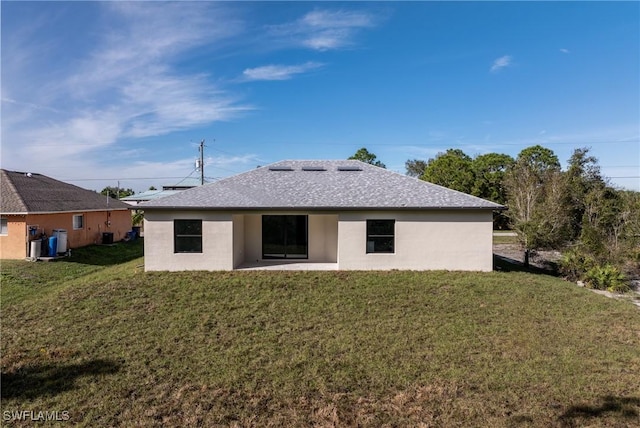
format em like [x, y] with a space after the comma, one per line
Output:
[539, 259]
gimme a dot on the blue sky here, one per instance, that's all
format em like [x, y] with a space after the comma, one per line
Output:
[95, 92]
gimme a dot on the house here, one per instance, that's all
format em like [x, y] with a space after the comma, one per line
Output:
[330, 214]
[167, 190]
[33, 204]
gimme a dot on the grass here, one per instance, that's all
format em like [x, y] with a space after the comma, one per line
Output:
[25, 280]
[504, 238]
[117, 346]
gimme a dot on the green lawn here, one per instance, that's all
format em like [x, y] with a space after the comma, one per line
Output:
[504, 238]
[117, 346]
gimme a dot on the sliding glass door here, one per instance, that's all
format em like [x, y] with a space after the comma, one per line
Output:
[284, 237]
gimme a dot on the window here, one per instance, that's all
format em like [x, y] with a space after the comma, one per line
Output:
[187, 236]
[4, 229]
[78, 221]
[380, 236]
[285, 237]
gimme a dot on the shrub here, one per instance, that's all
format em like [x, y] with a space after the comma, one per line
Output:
[607, 277]
[574, 264]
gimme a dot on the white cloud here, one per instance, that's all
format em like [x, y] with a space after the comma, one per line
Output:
[278, 72]
[124, 84]
[500, 63]
[324, 30]
[563, 50]
[337, 19]
[136, 63]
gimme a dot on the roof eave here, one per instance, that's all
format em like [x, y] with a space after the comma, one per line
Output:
[318, 208]
[66, 211]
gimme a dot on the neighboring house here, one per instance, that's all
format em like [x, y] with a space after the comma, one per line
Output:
[342, 214]
[168, 190]
[34, 204]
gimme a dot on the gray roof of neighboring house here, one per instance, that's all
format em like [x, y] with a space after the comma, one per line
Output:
[167, 190]
[185, 183]
[149, 195]
[313, 185]
[22, 193]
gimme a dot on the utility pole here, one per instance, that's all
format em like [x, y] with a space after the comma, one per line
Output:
[202, 162]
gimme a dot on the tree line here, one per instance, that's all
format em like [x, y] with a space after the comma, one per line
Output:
[119, 192]
[576, 210]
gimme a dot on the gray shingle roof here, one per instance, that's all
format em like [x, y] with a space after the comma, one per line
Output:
[149, 195]
[313, 185]
[36, 193]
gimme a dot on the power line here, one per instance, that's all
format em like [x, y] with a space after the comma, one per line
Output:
[122, 179]
[438, 143]
[464, 143]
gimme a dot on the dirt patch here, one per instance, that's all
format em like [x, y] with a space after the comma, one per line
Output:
[546, 260]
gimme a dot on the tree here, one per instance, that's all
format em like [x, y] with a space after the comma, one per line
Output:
[415, 167]
[536, 195]
[583, 176]
[603, 222]
[489, 171]
[152, 188]
[116, 193]
[452, 169]
[630, 222]
[539, 159]
[363, 155]
[137, 218]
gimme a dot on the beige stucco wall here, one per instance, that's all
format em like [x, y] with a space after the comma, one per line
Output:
[323, 238]
[428, 240]
[238, 240]
[217, 242]
[228, 240]
[253, 237]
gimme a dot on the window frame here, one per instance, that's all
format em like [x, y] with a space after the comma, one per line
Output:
[4, 226]
[372, 238]
[180, 238]
[73, 221]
